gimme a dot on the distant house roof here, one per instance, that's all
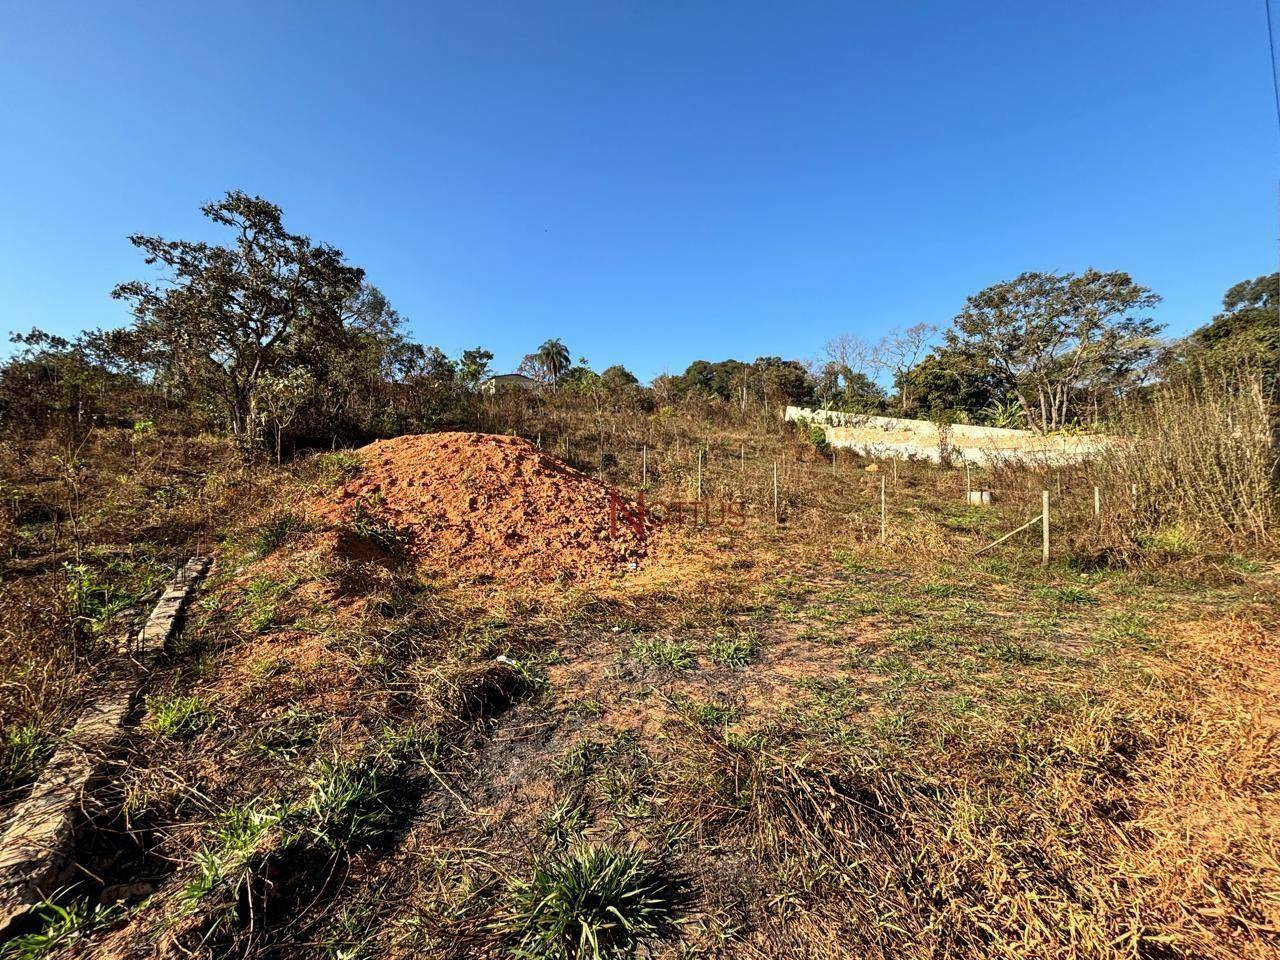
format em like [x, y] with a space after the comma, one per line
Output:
[518, 380]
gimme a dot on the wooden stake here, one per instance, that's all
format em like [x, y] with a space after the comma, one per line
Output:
[1097, 506]
[968, 482]
[775, 491]
[644, 467]
[699, 476]
[1044, 528]
[884, 524]
[833, 461]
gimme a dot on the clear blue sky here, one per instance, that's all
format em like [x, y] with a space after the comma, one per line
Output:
[653, 182]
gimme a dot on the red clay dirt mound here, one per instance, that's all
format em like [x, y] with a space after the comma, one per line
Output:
[474, 504]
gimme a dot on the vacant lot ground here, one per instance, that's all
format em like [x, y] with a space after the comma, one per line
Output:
[774, 741]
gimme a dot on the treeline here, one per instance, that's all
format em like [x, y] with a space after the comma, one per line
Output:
[278, 341]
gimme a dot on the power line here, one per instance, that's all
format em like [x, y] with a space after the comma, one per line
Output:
[1275, 73]
[1275, 87]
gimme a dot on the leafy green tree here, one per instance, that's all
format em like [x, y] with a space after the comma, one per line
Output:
[474, 366]
[70, 385]
[1063, 340]
[837, 387]
[1248, 328]
[282, 396]
[781, 381]
[553, 355]
[352, 373]
[955, 384]
[227, 316]
[709, 379]
[619, 381]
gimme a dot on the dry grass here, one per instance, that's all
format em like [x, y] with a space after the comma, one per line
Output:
[833, 747]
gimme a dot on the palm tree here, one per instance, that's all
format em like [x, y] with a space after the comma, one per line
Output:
[554, 357]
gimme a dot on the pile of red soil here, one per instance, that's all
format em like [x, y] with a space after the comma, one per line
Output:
[473, 504]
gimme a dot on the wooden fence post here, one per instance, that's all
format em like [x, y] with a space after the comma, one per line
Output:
[884, 525]
[1044, 528]
[1097, 506]
[775, 491]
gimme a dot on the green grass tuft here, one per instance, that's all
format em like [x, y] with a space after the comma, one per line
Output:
[656, 652]
[589, 903]
[180, 717]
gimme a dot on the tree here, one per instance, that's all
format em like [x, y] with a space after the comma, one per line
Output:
[354, 374]
[709, 379]
[474, 366]
[898, 352]
[531, 366]
[837, 387]
[1061, 339]
[849, 354]
[282, 396]
[228, 315]
[1248, 328]
[619, 381]
[554, 357]
[955, 384]
[781, 381]
[72, 384]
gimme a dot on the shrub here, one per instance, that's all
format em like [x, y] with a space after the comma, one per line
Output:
[1195, 464]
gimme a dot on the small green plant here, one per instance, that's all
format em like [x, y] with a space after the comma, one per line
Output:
[94, 596]
[578, 760]
[273, 533]
[656, 652]
[588, 903]
[175, 716]
[60, 927]
[262, 596]
[733, 651]
[238, 844]
[1131, 627]
[366, 522]
[22, 751]
[564, 821]
[1175, 539]
[333, 469]
[940, 591]
[1010, 415]
[348, 803]
[1075, 596]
